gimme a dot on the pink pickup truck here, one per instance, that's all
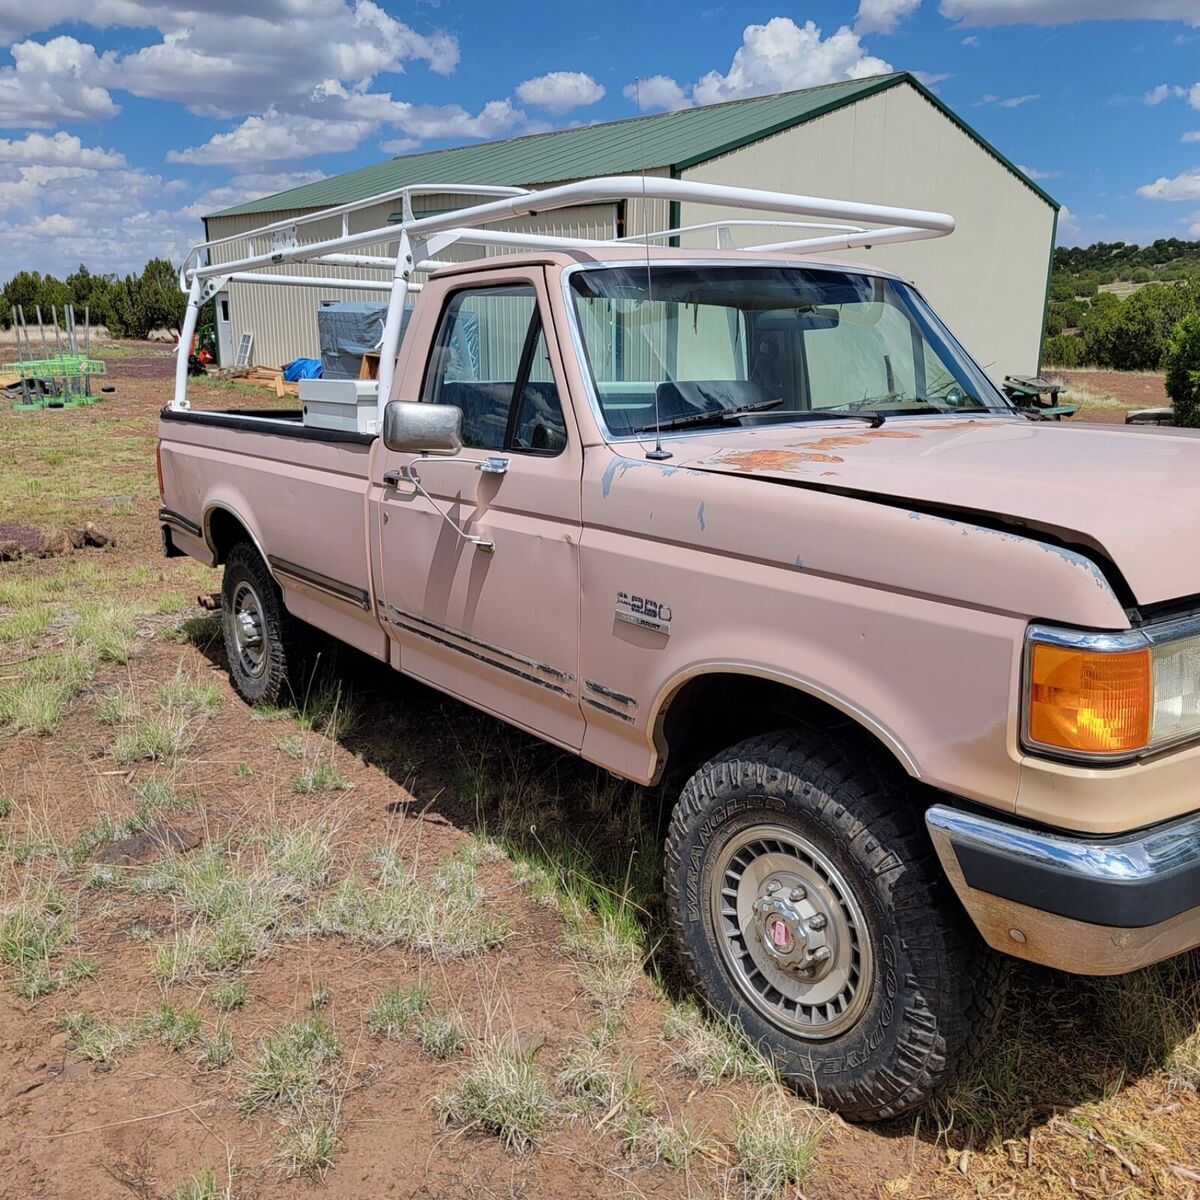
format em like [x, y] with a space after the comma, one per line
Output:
[928, 671]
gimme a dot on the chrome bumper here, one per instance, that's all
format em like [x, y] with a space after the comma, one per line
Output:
[1094, 906]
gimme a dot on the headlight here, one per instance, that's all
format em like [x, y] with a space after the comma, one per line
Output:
[1112, 695]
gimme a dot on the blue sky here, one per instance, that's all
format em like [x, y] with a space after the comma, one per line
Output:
[123, 121]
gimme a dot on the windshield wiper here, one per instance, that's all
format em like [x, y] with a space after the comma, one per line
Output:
[720, 416]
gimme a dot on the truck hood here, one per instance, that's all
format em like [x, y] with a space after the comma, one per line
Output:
[1126, 494]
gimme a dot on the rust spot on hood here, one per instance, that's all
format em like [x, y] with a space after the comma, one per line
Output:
[773, 460]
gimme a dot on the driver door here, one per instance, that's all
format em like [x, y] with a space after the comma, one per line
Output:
[497, 627]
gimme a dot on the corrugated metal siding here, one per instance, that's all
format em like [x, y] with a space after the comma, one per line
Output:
[584, 152]
[283, 319]
[987, 280]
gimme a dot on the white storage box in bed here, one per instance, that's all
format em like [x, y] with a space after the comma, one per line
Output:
[350, 405]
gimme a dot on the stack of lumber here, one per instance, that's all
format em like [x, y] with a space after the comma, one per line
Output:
[271, 377]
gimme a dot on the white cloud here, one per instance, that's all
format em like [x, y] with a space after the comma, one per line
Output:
[274, 137]
[338, 120]
[62, 150]
[55, 225]
[932, 78]
[658, 91]
[1192, 135]
[246, 187]
[1009, 102]
[1033, 173]
[1158, 94]
[1194, 228]
[1185, 186]
[52, 218]
[779, 56]
[400, 145]
[560, 91]
[1065, 12]
[228, 65]
[452, 121]
[970, 40]
[882, 16]
[1070, 232]
[52, 83]
[221, 59]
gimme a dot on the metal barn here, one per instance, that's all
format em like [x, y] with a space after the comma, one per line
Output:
[884, 140]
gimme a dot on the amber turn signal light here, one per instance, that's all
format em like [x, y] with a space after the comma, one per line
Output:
[1095, 702]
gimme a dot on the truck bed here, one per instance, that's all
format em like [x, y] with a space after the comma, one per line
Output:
[298, 493]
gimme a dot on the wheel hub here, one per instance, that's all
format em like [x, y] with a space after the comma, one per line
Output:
[247, 627]
[791, 931]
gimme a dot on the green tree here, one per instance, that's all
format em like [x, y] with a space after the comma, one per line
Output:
[1062, 350]
[1132, 335]
[1182, 363]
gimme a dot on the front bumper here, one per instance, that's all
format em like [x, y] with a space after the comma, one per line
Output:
[1091, 905]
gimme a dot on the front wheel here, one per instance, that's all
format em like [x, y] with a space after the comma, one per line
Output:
[809, 907]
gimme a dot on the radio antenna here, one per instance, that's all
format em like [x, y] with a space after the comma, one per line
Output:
[658, 453]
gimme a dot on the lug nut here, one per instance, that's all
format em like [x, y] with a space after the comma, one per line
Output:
[798, 893]
[817, 921]
[772, 887]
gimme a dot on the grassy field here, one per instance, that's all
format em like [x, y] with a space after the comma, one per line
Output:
[378, 944]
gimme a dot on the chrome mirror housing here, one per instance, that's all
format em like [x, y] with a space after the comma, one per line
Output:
[422, 428]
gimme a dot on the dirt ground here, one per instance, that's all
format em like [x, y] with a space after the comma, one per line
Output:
[184, 882]
[1106, 396]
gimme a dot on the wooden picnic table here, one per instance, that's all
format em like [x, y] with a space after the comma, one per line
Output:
[1026, 392]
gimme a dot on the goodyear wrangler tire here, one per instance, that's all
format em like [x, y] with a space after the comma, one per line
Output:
[809, 907]
[262, 642]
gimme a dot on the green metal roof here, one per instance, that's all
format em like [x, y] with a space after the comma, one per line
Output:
[677, 140]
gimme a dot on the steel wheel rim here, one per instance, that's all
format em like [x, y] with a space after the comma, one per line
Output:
[791, 932]
[249, 638]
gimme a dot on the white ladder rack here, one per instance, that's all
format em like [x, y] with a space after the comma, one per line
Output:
[839, 225]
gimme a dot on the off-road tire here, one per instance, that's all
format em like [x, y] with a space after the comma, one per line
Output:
[937, 991]
[282, 649]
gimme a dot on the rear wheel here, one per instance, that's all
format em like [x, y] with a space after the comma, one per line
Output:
[809, 907]
[262, 643]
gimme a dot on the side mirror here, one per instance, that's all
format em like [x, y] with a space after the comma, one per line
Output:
[422, 428]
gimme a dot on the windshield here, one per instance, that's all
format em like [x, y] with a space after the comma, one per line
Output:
[750, 345]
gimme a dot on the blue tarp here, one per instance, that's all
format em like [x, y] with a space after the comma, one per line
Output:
[302, 368]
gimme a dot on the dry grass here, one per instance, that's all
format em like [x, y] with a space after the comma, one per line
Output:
[776, 1139]
[502, 1092]
[711, 1049]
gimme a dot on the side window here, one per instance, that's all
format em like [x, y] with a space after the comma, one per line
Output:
[538, 420]
[488, 348]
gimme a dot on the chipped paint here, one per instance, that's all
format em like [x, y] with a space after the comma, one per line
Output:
[628, 464]
[1071, 557]
[799, 561]
[700, 516]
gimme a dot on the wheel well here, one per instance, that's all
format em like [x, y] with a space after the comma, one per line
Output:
[224, 532]
[712, 712]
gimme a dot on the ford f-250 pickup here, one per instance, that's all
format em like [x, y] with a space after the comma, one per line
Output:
[930, 669]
